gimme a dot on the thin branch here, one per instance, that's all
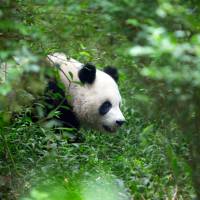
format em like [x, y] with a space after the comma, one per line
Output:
[59, 67]
[175, 193]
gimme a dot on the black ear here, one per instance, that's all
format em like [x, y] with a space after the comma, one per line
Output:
[87, 74]
[112, 72]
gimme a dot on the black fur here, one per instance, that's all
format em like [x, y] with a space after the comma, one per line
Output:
[87, 74]
[112, 72]
[55, 98]
[105, 107]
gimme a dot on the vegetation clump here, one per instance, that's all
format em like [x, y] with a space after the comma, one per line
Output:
[156, 46]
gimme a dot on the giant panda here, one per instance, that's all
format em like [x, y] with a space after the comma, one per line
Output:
[88, 97]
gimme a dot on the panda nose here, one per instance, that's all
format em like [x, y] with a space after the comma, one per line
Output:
[120, 122]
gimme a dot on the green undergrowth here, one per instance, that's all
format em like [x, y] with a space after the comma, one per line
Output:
[156, 47]
[140, 156]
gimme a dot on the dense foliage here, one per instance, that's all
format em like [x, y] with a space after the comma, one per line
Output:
[156, 47]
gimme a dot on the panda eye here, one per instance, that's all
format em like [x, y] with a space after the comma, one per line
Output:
[105, 107]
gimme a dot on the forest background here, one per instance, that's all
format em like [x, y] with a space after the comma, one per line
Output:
[156, 47]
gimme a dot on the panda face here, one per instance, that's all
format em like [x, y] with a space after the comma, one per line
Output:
[111, 115]
[100, 107]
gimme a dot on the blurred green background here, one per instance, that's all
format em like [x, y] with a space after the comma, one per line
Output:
[156, 47]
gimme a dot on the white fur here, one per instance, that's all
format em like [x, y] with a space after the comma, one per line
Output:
[86, 99]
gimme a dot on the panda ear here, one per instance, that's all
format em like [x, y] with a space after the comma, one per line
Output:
[112, 72]
[87, 74]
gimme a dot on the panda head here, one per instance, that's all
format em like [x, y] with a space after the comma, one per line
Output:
[97, 102]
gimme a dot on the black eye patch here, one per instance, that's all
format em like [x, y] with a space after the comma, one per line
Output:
[105, 107]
